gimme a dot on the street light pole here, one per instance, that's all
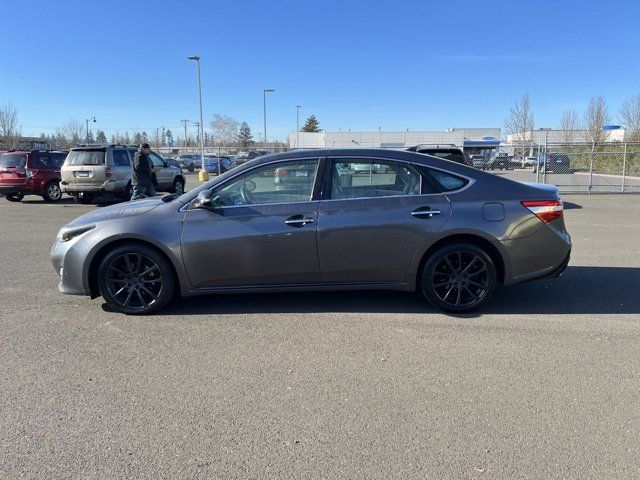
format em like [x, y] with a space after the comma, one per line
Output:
[264, 110]
[93, 119]
[298, 107]
[202, 175]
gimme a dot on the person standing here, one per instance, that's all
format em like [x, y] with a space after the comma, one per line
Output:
[141, 170]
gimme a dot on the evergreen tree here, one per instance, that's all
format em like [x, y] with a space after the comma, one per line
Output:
[145, 137]
[137, 138]
[311, 125]
[169, 136]
[101, 137]
[126, 139]
[245, 138]
[89, 138]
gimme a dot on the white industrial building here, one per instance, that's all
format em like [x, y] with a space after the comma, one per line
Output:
[462, 137]
[613, 133]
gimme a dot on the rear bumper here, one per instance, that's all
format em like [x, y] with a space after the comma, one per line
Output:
[108, 186]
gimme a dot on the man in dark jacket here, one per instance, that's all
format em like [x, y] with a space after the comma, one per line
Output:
[141, 169]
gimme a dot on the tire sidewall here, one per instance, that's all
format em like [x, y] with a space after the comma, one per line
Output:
[168, 288]
[175, 182]
[14, 197]
[425, 279]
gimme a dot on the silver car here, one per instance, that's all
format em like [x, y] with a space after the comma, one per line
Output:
[97, 170]
[446, 230]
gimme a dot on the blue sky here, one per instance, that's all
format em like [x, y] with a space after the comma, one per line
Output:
[356, 65]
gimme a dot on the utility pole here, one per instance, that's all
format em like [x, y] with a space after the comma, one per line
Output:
[264, 111]
[184, 122]
[298, 107]
[163, 137]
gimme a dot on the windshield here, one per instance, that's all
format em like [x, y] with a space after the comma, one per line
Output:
[12, 160]
[85, 157]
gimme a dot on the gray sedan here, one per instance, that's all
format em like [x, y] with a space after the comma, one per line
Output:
[422, 224]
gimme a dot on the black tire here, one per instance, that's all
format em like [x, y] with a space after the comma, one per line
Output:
[127, 193]
[14, 197]
[52, 192]
[191, 167]
[178, 186]
[458, 278]
[84, 198]
[135, 280]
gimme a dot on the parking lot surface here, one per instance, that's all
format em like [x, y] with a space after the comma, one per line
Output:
[542, 383]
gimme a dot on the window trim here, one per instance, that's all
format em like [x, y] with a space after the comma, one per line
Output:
[314, 191]
[416, 166]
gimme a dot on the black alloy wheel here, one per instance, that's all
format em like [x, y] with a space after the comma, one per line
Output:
[178, 186]
[459, 278]
[135, 279]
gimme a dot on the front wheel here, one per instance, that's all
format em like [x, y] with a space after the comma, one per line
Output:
[14, 197]
[135, 279]
[459, 278]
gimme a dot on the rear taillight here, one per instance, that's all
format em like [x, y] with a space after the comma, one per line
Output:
[108, 172]
[545, 210]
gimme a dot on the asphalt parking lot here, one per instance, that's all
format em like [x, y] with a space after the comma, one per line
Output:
[543, 383]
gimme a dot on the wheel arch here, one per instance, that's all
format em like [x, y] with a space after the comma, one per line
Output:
[105, 248]
[479, 241]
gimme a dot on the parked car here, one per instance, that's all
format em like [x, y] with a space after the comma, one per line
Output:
[446, 152]
[443, 229]
[188, 162]
[211, 164]
[35, 172]
[553, 162]
[106, 170]
[479, 161]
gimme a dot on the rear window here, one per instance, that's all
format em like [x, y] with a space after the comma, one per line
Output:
[447, 182]
[15, 161]
[85, 157]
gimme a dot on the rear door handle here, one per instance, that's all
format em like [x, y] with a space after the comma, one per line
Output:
[298, 221]
[425, 212]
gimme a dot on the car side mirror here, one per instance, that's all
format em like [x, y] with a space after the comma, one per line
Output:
[203, 200]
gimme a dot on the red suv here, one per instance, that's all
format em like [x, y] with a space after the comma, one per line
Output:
[31, 173]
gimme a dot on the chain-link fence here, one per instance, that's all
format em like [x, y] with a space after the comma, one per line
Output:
[573, 167]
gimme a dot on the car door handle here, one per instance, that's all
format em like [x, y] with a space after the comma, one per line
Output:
[425, 212]
[298, 221]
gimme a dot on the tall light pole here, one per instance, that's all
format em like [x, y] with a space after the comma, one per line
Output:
[202, 175]
[87, 120]
[264, 103]
[298, 107]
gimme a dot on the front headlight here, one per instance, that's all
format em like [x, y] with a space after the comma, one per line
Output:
[67, 233]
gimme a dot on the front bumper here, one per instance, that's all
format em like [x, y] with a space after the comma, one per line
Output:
[68, 260]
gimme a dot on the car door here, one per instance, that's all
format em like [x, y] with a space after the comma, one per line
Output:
[255, 233]
[163, 173]
[372, 224]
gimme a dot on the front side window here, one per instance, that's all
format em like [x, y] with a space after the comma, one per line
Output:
[156, 160]
[42, 161]
[365, 178]
[284, 182]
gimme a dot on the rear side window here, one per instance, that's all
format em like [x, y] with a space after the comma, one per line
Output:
[121, 158]
[447, 182]
[85, 157]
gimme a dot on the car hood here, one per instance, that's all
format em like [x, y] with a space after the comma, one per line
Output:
[120, 210]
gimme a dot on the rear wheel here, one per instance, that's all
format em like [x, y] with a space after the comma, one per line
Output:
[459, 278]
[178, 186]
[127, 193]
[135, 279]
[83, 198]
[14, 197]
[52, 192]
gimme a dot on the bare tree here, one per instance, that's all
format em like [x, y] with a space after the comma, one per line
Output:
[71, 133]
[630, 116]
[520, 119]
[10, 131]
[596, 117]
[225, 129]
[568, 126]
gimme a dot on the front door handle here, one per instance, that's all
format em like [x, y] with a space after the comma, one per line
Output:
[298, 221]
[425, 212]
